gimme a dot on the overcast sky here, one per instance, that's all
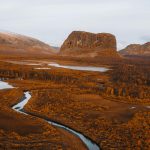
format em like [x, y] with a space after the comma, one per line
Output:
[52, 20]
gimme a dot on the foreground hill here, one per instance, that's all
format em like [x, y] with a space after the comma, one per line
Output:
[137, 49]
[85, 44]
[11, 43]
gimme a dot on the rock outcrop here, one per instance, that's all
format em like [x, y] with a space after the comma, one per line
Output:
[137, 49]
[11, 43]
[85, 44]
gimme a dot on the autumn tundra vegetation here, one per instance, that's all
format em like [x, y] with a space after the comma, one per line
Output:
[111, 108]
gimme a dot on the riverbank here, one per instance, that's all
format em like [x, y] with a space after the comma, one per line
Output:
[25, 131]
[24, 101]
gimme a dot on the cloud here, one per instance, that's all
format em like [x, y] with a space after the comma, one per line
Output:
[52, 21]
[145, 38]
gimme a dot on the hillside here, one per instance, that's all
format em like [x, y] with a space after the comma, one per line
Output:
[137, 49]
[11, 43]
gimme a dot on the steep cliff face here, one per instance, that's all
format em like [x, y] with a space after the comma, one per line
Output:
[11, 43]
[137, 49]
[84, 44]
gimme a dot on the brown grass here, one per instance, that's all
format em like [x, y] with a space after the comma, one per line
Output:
[90, 102]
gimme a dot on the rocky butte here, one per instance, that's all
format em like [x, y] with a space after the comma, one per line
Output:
[85, 44]
[137, 49]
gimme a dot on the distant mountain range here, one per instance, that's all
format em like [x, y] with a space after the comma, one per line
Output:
[137, 49]
[57, 49]
[78, 44]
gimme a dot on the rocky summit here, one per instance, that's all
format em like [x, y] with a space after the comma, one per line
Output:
[137, 49]
[85, 44]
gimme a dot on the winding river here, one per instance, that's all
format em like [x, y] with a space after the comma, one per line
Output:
[27, 96]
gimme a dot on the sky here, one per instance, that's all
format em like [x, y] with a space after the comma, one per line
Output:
[52, 21]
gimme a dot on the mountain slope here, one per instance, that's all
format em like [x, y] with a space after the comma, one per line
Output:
[137, 49]
[11, 43]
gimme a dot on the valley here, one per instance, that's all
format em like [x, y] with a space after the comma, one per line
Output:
[91, 102]
[74, 75]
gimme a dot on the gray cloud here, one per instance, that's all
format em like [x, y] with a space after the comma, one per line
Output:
[52, 21]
